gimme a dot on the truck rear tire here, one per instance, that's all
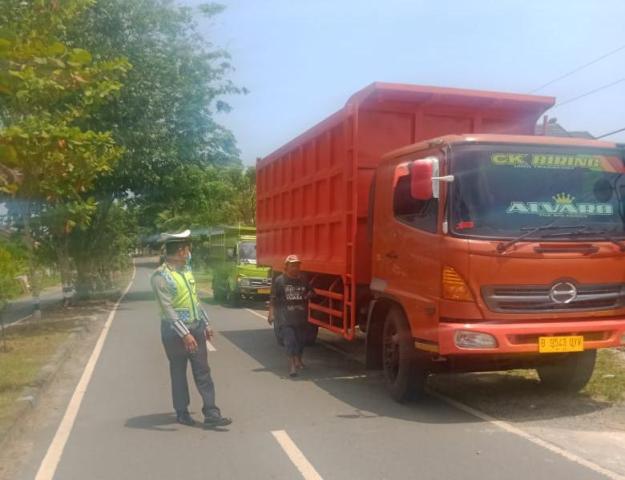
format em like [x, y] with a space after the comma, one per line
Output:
[403, 370]
[568, 373]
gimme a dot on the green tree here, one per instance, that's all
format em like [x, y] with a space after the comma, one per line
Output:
[164, 116]
[49, 87]
[198, 197]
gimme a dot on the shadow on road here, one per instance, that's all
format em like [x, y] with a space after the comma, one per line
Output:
[162, 422]
[346, 379]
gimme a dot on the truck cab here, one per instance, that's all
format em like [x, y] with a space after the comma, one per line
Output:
[501, 251]
[250, 280]
[236, 275]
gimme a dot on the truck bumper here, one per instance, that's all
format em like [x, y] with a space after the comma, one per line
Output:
[523, 337]
[255, 291]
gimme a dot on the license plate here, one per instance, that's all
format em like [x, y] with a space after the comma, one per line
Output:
[264, 291]
[561, 344]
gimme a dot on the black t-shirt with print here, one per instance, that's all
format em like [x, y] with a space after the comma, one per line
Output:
[290, 299]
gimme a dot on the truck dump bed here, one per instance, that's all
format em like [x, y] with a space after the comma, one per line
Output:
[313, 193]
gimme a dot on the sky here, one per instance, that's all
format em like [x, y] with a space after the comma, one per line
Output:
[302, 59]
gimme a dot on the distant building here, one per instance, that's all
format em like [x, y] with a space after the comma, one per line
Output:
[554, 129]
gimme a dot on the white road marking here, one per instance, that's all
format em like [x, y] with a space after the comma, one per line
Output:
[210, 346]
[344, 377]
[17, 322]
[529, 437]
[50, 462]
[296, 456]
[253, 312]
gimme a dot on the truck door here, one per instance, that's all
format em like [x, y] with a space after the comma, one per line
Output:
[409, 254]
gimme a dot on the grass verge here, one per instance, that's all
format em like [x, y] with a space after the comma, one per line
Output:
[608, 381]
[28, 349]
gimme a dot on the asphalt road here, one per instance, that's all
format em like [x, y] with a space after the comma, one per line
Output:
[340, 419]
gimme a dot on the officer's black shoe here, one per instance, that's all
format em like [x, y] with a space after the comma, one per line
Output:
[217, 421]
[185, 418]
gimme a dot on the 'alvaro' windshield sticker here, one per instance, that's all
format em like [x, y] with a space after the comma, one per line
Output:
[563, 205]
[597, 163]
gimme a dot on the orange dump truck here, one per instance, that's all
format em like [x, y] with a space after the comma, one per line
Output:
[439, 224]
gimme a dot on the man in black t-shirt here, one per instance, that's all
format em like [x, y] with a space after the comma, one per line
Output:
[289, 309]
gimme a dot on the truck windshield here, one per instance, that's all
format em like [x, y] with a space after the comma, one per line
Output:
[503, 192]
[247, 251]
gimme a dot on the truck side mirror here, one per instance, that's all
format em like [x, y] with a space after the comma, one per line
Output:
[425, 179]
[421, 173]
[230, 253]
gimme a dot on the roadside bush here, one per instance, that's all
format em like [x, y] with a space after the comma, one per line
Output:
[9, 269]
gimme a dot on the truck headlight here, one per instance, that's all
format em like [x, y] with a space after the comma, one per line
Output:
[468, 339]
[245, 282]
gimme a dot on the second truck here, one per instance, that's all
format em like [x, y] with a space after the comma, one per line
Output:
[232, 260]
[439, 223]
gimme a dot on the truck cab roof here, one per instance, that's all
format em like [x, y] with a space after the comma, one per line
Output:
[499, 139]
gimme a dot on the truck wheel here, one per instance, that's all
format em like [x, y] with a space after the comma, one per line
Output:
[568, 373]
[405, 375]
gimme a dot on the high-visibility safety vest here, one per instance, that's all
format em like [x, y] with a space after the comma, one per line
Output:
[184, 296]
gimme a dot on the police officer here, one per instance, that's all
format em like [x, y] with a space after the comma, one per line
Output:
[184, 331]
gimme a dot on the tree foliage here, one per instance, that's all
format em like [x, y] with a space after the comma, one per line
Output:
[12, 263]
[197, 197]
[107, 121]
[164, 117]
[47, 87]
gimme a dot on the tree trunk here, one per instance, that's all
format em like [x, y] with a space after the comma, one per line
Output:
[65, 269]
[33, 278]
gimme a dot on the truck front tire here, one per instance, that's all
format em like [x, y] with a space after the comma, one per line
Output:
[403, 369]
[568, 373]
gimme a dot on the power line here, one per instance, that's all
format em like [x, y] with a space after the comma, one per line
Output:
[574, 71]
[570, 100]
[611, 133]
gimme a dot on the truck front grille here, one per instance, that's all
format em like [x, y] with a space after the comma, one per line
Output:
[536, 298]
[260, 282]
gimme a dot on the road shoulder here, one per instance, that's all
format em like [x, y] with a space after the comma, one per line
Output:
[41, 403]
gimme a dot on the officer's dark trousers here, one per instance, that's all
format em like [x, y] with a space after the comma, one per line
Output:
[178, 359]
